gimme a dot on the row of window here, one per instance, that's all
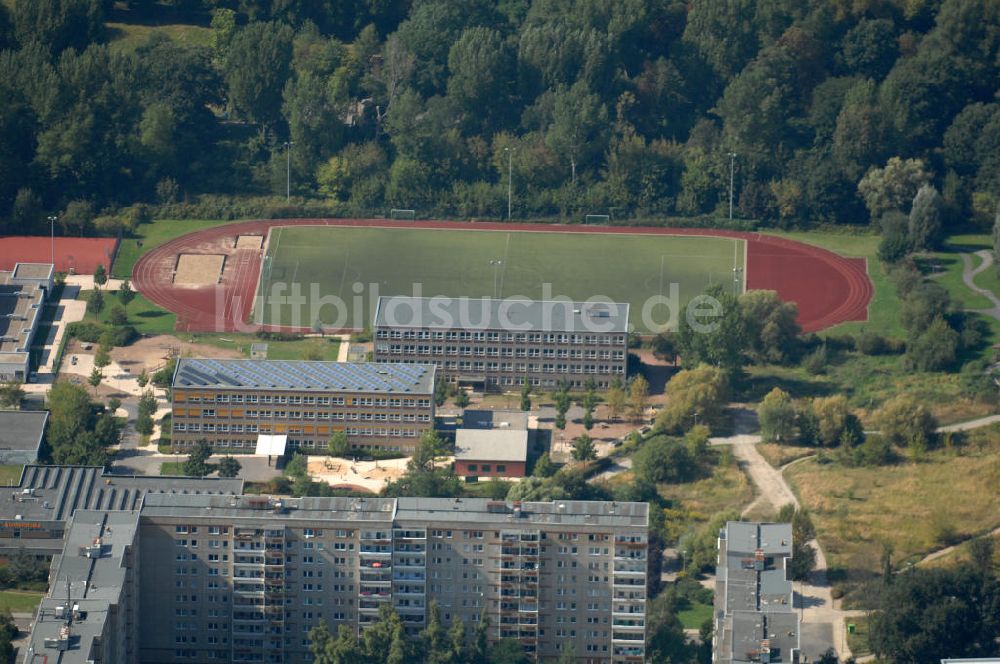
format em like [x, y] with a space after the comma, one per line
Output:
[516, 337]
[390, 402]
[496, 351]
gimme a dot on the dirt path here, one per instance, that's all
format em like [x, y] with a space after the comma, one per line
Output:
[969, 274]
[940, 553]
[815, 599]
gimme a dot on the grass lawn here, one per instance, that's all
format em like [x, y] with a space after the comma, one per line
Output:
[779, 455]
[19, 601]
[318, 348]
[951, 266]
[129, 36]
[10, 475]
[153, 235]
[694, 503]
[172, 468]
[695, 615]
[145, 316]
[914, 507]
[858, 640]
[624, 268]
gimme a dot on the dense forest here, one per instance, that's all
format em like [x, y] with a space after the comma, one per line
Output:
[837, 111]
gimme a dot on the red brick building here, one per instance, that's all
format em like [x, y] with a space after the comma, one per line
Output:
[491, 452]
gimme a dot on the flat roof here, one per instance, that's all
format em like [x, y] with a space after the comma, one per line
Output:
[54, 493]
[20, 307]
[306, 376]
[386, 510]
[33, 271]
[513, 315]
[494, 419]
[271, 444]
[22, 429]
[95, 585]
[491, 445]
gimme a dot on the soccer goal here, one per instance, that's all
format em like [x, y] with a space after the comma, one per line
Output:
[395, 213]
[597, 219]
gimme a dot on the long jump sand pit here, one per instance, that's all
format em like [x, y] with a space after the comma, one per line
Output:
[199, 269]
[250, 242]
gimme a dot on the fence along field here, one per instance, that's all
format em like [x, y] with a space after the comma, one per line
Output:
[627, 268]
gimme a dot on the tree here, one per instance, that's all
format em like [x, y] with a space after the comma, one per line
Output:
[544, 466]
[440, 391]
[526, 396]
[693, 396]
[197, 462]
[423, 477]
[95, 303]
[895, 244]
[638, 397]
[777, 417]
[584, 449]
[712, 330]
[95, 378]
[893, 187]
[616, 400]
[58, 24]
[328, 650]
[926, 226]
[903, 420]
[579, 125]
[933, 350]
[125, 293]
[588, 420]
[257, 66]
[11, 394]
[118, 317]
[100, 275]
[462, 399]
[835, 422]
[142, 378]
[771, 328]
[338, 445]
[229, 467]
[102, 357]
[929, 614]
[665, 459]
[803, 554]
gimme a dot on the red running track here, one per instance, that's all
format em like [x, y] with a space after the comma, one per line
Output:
[81, 255]
[828, 288]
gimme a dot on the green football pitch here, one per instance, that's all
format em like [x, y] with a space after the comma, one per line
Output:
[354, 265]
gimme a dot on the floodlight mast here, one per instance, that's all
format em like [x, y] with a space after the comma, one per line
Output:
[732, 166]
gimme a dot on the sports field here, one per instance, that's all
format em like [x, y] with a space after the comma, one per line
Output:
[355, 264]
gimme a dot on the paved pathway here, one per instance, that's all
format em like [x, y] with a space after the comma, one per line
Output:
[815, 599]
[969, 274]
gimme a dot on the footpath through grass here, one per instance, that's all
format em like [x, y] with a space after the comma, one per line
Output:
[913, 507]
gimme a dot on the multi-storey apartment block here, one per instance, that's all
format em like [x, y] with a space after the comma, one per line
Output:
[755, 618]
[245, 578]
[230, 402]
[498, 344]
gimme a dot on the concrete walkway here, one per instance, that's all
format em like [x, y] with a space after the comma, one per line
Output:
[969, 274]
[816, 602]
